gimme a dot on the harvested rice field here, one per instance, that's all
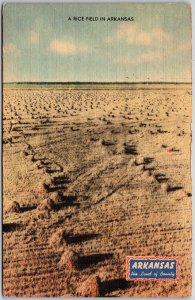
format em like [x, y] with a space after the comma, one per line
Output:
[92, 174]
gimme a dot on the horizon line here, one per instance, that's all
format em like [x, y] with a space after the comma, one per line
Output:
[98, 82]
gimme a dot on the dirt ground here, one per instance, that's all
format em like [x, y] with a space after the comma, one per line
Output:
[116, 163]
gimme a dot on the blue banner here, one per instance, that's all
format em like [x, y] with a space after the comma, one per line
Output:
[147, 268]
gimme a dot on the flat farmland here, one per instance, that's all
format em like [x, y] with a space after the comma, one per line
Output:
[97, 174]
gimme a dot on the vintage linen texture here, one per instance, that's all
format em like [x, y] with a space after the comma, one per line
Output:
[97, 150]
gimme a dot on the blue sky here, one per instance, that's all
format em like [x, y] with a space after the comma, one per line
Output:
[40, 44]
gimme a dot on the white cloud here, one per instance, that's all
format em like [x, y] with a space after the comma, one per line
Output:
[10, 48]
[135, 35]
[63, 47]
[154, 45]
[33, 37]
[185, 46]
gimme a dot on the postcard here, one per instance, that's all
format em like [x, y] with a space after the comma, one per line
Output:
[97, 102]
